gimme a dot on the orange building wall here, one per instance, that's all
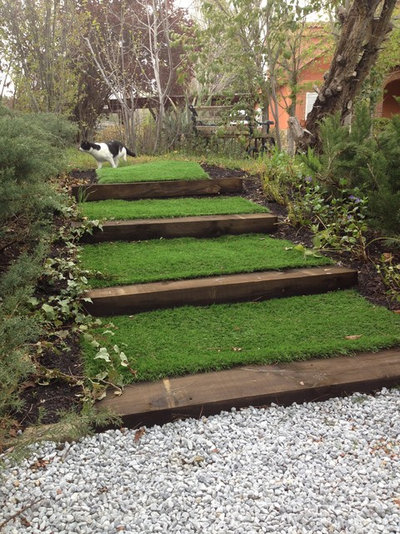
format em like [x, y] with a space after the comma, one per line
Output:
[312, 75]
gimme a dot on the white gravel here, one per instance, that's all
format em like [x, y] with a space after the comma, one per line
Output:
[331, 467]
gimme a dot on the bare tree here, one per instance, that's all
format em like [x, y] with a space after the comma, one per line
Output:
[39, 42]
[161, 23]
[114, 49]
[136, 56]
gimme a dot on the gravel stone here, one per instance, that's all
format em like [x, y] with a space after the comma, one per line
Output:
[317, 468]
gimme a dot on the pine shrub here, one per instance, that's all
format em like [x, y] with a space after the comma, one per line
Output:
[363, 158]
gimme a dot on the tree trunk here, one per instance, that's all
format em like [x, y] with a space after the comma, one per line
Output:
[364, 28]
[128, 118]
[275, 113]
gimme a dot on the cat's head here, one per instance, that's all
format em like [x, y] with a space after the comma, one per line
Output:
[85, 146]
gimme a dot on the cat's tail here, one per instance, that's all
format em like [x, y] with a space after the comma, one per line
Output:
[130, 153]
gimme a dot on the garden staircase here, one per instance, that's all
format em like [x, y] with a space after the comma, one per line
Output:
[200, 291]
[207, 393]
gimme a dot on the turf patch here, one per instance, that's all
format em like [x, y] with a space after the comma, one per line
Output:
[121, 263]
[196, 339]
[165, 208]
[153, 171]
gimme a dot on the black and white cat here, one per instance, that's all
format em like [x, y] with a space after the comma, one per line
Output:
[102, 152]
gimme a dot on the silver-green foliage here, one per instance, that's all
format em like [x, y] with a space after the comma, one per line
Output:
[29, 155]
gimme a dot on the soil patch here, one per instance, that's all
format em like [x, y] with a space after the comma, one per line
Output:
[46, 401]
[78, 178]
[219, 172]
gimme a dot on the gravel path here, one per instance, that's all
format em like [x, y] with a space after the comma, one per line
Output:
[331, 467]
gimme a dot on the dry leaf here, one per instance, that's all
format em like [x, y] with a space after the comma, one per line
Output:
[353, 337]
[139, 433]
[396, 311]
[236, 349]
[29, 384]
[40, 463]
[24, 521]
[396, 501]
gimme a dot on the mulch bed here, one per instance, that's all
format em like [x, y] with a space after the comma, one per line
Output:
[47, 402]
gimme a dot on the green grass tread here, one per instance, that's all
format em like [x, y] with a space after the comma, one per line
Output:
[121, 263]
[197, 339]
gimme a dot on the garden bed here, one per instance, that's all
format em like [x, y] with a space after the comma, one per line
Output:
[370, 284]
[193, 339]
[121, 263]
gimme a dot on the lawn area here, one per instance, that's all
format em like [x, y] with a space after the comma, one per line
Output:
[154, 208]
[196, 339]
[123, 263]
[152, 171]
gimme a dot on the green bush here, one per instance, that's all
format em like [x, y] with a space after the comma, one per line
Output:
[366, 159]
[30, 154]
[17, 328]
[282, 175]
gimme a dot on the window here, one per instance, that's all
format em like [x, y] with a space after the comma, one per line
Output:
[310, 99]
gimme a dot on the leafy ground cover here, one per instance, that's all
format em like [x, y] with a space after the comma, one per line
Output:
[197, 339]
[173, 259]
[172, 207]
[152, 171]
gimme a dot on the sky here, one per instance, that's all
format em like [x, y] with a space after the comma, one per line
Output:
[189, 4]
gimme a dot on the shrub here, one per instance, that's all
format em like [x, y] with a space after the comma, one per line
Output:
[30, 153]
[368, 161]
[282, 176]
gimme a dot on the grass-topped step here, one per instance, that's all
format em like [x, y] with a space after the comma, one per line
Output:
[230, 288]
[204, 226]
[152, 171]
[122, 263]
[158, 208]
[180, 341]
[209, 393]
[158, 189]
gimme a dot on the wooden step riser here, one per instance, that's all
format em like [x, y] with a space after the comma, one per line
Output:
[231, 288]
[182, 227]
[210, 393]
[162, 189]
